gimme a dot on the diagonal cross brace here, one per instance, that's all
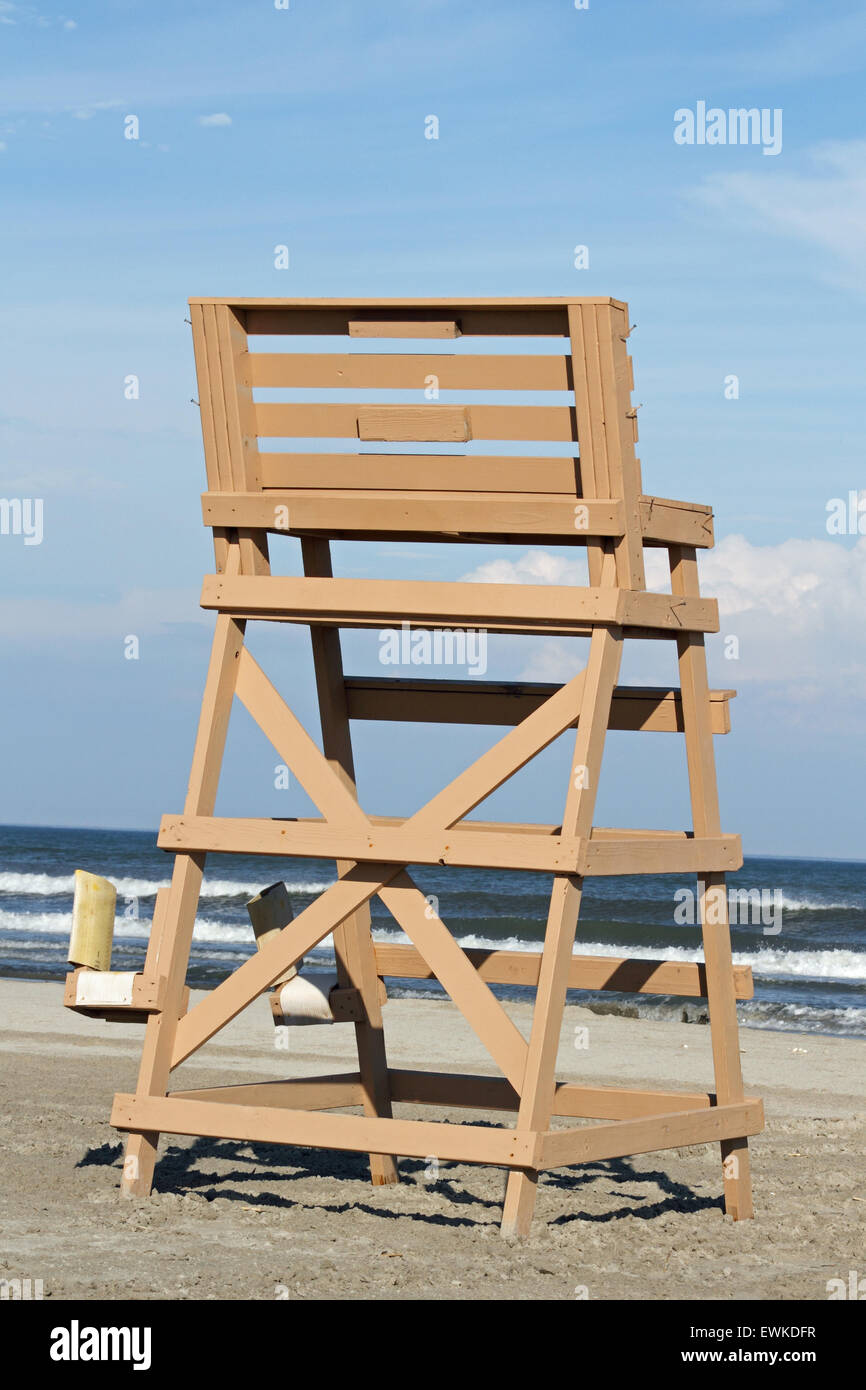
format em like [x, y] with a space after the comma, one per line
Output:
[359, 884]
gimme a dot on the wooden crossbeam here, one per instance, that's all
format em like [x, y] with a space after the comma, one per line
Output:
[494, 1093]
[365, 513]
[358, 885]
[453, 1090]
[399, 845]
[592, 1144]
[527, 608]
[271, 1125]
[465, 848]
[651, 709]
[626, 975]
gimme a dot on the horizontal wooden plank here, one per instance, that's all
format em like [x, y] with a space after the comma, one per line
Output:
[394, 303]
[666, 522]
[364, 511]
[422, 515]
[420, 472]
[556, 423]
[305, 1093]
[387, 844]
[452, 1090]
[357, 1133]
[466, 845]
[410, 371]
[382, 603]
[595, 1143]
[483, 319]
[657, 710]
[495, 1093]
[625, 975]
[422, 424]
[652, 855]
[599, 832]
[403, 328]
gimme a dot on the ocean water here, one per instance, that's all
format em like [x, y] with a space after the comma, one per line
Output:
[803, 931]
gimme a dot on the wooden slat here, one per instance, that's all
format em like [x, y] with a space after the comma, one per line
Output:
[508, 702]
[305, 1093]
[336, 421]
[382, 843]
[666, 522]
[712, 853]
[322, 782]
[450, 1089]
[634, 853]
[494, 1093]
[262, 1124]
[599, 832]
[420, 472]
[434, 514]
[381, 603]
[409, 371]
[403, 328]
[389, 306]
[623, 470]
[625, 975]
[422, 424]
[363, 511]
[593, 471]
[528, 319]
[595, 1143]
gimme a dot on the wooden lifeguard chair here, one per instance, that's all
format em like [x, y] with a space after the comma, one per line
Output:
[594, 499]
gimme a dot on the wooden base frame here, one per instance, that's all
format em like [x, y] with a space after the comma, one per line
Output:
[372, 854]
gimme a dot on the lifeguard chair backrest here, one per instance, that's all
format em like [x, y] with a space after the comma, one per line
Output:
[413, 373]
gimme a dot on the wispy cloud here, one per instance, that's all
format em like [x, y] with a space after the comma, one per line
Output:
[143, 612]
[795, 608]
[824, 205]
[218, 118]
[822, 47]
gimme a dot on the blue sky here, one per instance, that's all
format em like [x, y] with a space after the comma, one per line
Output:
[261, 126]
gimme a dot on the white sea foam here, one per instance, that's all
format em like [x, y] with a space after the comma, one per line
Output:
[816, 905]
[47, 885]
[766, 964]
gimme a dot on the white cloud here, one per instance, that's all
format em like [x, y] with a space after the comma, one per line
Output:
[835, 45]
[144, 612]
[90, 108]
[218, 118]
[69, 24]
[797, 610]
[823, 206]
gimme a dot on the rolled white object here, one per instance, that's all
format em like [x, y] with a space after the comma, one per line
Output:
[104, 987]
[305, 999]
[270, 911]
[92, 921]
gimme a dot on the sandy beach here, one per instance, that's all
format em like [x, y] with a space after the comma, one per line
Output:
[240, 1221]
